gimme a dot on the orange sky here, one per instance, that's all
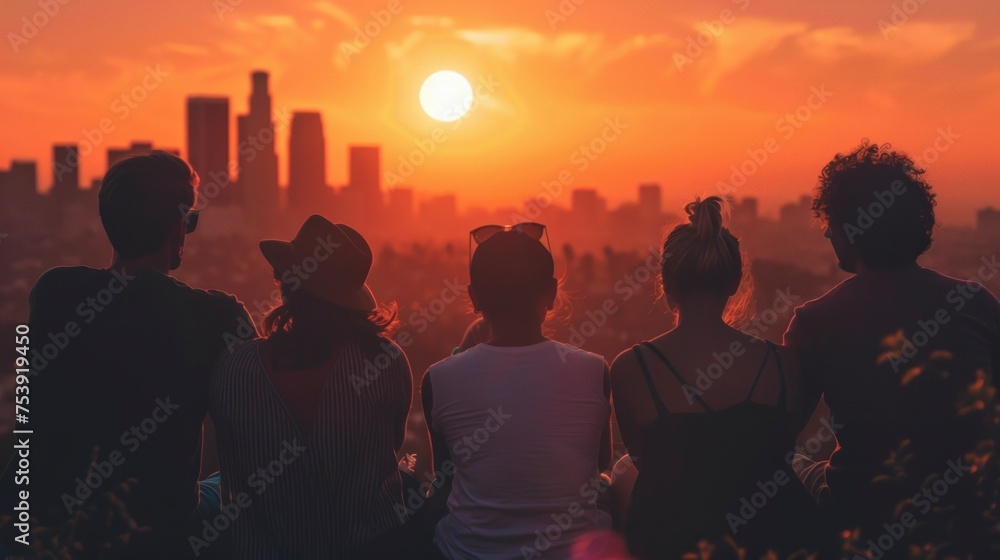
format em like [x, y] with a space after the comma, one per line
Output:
[557, 82]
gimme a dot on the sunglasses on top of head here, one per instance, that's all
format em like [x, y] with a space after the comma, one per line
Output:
[533, 230]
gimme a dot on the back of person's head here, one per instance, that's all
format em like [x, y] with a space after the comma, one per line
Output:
[325, 297]
[877, 202]
[512, 275]
[703, 258]
[143, 199]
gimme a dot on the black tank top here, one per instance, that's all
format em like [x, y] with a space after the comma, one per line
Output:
[695, 470]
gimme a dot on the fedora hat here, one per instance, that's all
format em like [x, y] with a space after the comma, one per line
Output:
[327, 260]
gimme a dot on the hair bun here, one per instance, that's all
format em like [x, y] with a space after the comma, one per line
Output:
[706, 217]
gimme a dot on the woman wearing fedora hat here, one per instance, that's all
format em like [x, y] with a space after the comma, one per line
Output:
[310, 418]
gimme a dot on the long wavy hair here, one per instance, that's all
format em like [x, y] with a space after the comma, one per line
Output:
[304, 329]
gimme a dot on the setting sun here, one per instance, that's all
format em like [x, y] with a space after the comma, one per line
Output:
[446, 96]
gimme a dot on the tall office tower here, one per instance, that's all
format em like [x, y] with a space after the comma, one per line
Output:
[136, 149]
[208, 147]
[365, 176]
[65, 170]
[258, 164]
[307, 188]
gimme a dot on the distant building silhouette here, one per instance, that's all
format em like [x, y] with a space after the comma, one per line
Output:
[651, 197]
[650, 210]
[208, 146]
[440, 209]
[19, 200]
[588, 207]
[65, 170]
[258, 164]
[744, 213]
[363, 192]
[136, 149]
[307, 189]
[797, 214]
[399, 209]
[988, 222]
[20, 182]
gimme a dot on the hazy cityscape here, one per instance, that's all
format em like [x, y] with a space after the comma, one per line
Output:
[603, 254]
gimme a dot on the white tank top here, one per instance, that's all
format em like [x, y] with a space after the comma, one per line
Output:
[524, 427]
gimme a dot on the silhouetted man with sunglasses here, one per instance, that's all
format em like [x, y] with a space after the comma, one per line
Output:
[120, 377]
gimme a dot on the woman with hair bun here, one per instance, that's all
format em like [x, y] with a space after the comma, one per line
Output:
[707, 411]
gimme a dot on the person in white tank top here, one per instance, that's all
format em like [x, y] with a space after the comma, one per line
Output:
[520, 424]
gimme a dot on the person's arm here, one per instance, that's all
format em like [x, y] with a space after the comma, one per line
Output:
[803, 365]
[606, 448]
[620, 391]
[439, 447]
[237, 324]
[406, 378]
[444, 468]
[792, 373]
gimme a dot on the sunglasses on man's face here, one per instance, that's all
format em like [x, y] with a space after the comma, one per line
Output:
[533, 230]
[191, 220]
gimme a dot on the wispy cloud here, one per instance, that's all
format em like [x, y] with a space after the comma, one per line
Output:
[280, 21]
[336, 12]
[181, 48]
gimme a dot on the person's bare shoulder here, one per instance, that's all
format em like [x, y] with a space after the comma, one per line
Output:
[623, 373]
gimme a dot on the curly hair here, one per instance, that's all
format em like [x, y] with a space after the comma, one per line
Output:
[880, 200]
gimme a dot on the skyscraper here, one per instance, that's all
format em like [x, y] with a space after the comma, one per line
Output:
[307, 188]
[65, 170]
[208, 146]
[365, 167]
[258, 164]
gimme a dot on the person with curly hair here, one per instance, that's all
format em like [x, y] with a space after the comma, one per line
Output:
[902, 355]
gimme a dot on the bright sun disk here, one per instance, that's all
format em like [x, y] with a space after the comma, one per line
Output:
[446, 96]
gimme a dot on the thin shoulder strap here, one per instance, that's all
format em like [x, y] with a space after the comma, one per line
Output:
[781, 374]
[661, 410]
[684, 384]
[767, 355]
